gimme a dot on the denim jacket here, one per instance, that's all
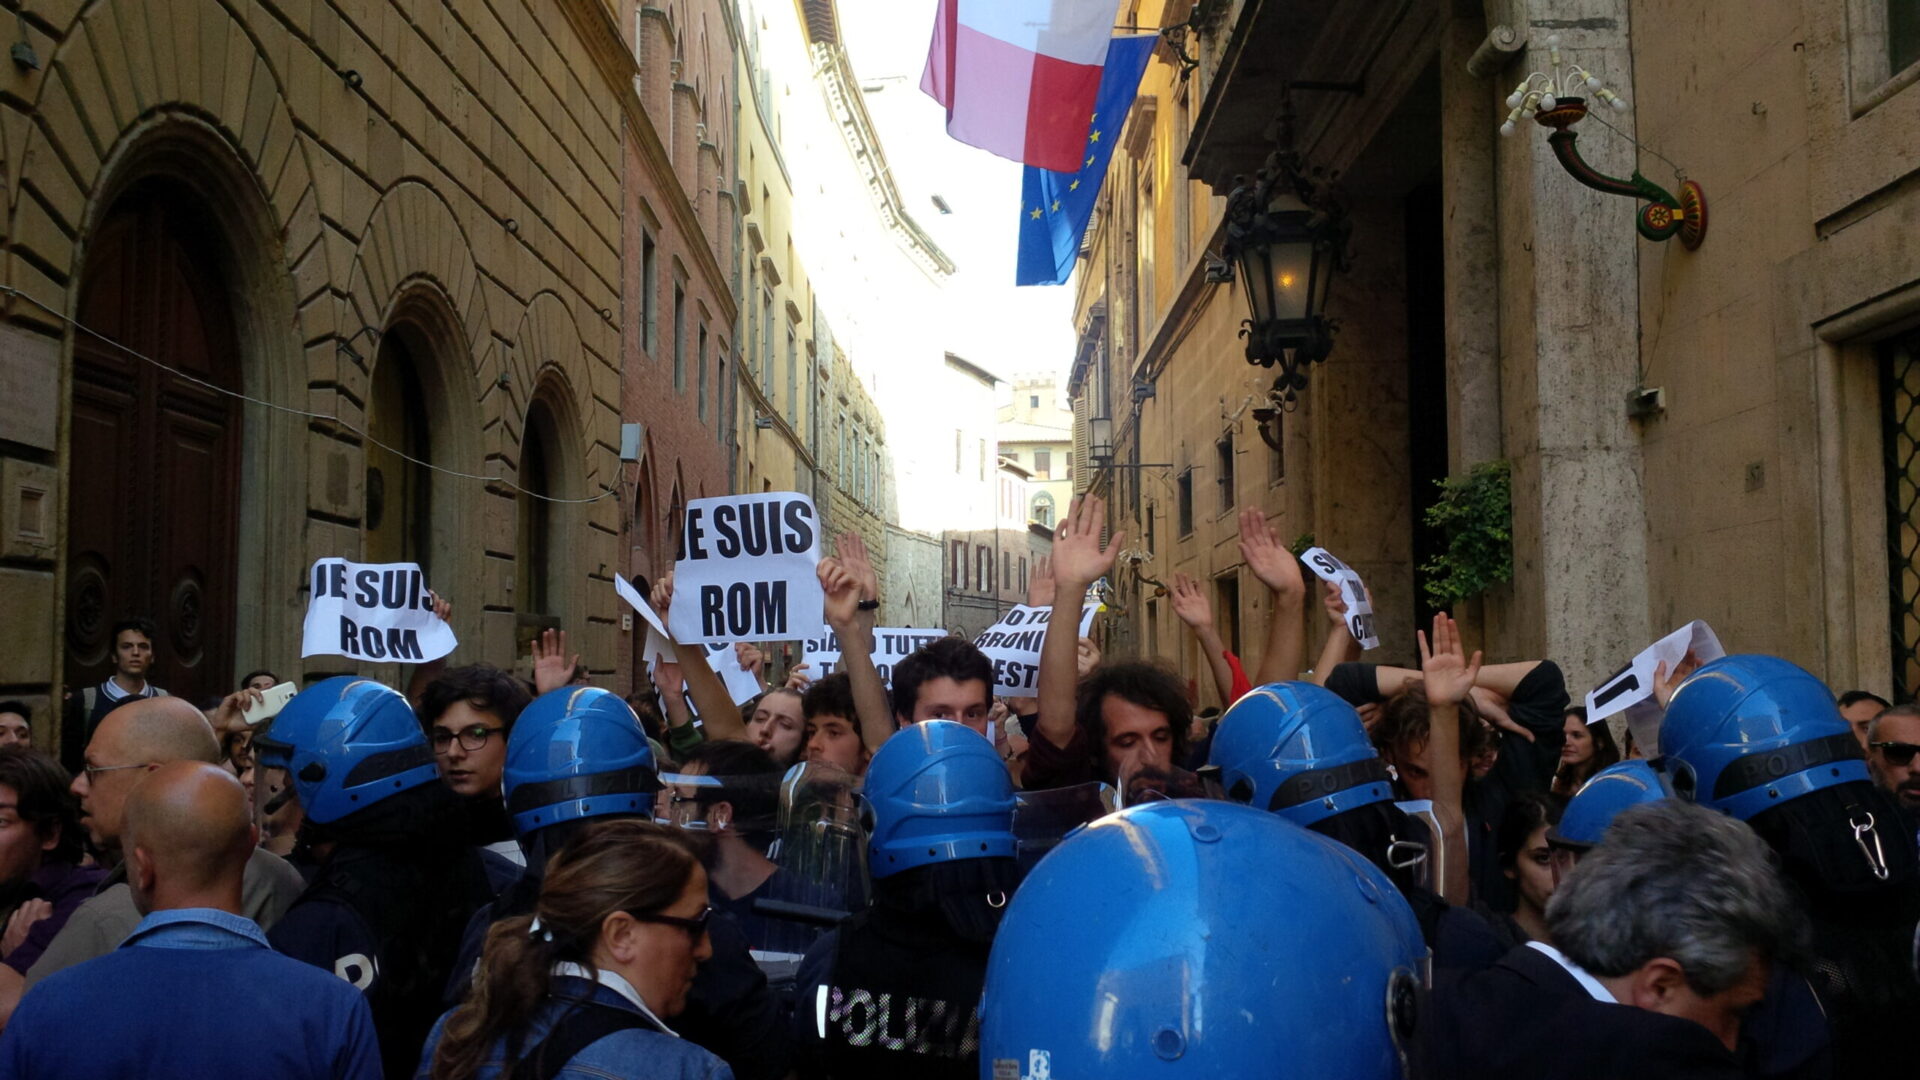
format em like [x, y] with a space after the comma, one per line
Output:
[633, 1054]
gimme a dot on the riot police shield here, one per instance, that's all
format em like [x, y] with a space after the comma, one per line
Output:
[800, 831]
[1423, 854]
[1041, 819]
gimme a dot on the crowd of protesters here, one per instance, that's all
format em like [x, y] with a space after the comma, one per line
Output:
[1442, 869]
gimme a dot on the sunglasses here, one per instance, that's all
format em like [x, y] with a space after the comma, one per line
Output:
[1897, 753]
[694, 927]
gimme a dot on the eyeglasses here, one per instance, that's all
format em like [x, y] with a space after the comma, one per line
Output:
[1897, 753]
[471, 738]
[694, 927]
[93, 771]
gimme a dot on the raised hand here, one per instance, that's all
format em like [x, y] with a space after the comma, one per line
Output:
[1079, 559]
[1334, 600]
[20, 923]
[231, 715]
[1267, 557]
[750, 657]
[798, 679]
[1190, 602]
[1086, 656]
[853, 556]
[1665, 682]
[662, 597]
[1040, 585]
[666, 676]
[1445, 668]
[552, 667]
[842, 591]
[442, 607]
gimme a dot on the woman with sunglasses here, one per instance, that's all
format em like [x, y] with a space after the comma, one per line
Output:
[586, 985]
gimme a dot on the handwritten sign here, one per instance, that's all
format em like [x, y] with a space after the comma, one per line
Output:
[1359, 609]
[1630, 690]
[373, 611]
[1013, 645]
[745, 570]
[891, 644]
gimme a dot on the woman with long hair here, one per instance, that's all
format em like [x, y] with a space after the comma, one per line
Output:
[1588, 749]
[584, 987]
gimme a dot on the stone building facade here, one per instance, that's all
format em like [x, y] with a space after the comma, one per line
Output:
[395, 228]
[1035, 428]
[1496, 310]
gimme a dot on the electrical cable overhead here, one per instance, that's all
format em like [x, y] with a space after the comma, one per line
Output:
[9, 290]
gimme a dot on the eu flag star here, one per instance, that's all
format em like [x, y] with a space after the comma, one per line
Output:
[1036, 214]
[1089, 163]
[1096, 137]
[1075, 186]
[1056, 206]
[1092, 118]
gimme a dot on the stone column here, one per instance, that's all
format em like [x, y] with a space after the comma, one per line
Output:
[1569, 302]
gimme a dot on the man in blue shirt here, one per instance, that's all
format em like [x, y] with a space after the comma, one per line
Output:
[167, 1002]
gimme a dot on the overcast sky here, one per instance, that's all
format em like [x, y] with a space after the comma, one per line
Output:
[1007, 330]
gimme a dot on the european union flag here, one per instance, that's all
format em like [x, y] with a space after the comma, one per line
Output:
[1055, 206]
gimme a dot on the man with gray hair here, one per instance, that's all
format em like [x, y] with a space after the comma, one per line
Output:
[1662, 937]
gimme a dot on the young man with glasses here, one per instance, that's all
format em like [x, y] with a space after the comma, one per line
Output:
[467, 713]
[1892, 740]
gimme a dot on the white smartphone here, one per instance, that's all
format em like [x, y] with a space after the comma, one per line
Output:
[272, 700]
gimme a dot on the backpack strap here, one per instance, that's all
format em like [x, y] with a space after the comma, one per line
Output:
[580, 1027]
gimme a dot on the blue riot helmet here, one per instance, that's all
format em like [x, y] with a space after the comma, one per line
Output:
[1595, 805]
[1143, 947]
[1300, 751]
[1747, 733]
[935, 792]
[347, 743]
[577, 752]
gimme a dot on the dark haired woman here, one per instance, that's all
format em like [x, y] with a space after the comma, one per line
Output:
[1588, 749]
[584, 987]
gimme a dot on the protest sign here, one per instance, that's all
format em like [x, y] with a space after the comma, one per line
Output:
[741, 684]
[1013, 644]
[1630, 690]
[1359, 609]
[891, 644]
[373, 611]
[746, 570]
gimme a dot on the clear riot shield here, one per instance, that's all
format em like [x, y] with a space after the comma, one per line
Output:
[1423, 855]
[802, 830]
[1041, 819]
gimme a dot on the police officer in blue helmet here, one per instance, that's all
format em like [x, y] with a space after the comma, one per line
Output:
[1761, 740]
[394, 883]
[578, 755]
[1195, 938]
[942, 856]
[1584, 822]
[1300, 751]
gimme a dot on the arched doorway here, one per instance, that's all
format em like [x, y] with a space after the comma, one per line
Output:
[153, 493]
[398, 513]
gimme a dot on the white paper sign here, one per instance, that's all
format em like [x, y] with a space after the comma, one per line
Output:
[639, 603]
[746, 570]
[1359, 612]
[1630, 690]
[742, 685]
[373, 611]
[891, 644]
[1013, 644]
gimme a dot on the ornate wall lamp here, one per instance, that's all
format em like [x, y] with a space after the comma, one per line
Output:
[1286, 237]
[1553, 102]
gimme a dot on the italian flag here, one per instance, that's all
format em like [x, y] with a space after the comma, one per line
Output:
[1018, 78]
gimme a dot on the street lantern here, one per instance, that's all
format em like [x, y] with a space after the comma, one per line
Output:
[1286, 239]
[1100, 440]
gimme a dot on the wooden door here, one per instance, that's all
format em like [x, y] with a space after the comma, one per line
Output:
[154, 495]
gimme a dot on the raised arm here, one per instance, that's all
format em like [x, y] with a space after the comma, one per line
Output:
[424, 674]
[846, 581]
[1276, 568]
[718, 714]
[1190, 603]
[1078, 561]
[1449, 676]
[1340, 647]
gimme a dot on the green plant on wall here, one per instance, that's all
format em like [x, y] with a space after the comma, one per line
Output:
[1475, 515]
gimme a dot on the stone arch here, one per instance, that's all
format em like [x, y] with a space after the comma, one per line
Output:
[127, 111]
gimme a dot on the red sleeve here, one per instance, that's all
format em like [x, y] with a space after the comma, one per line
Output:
[1241, 685]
